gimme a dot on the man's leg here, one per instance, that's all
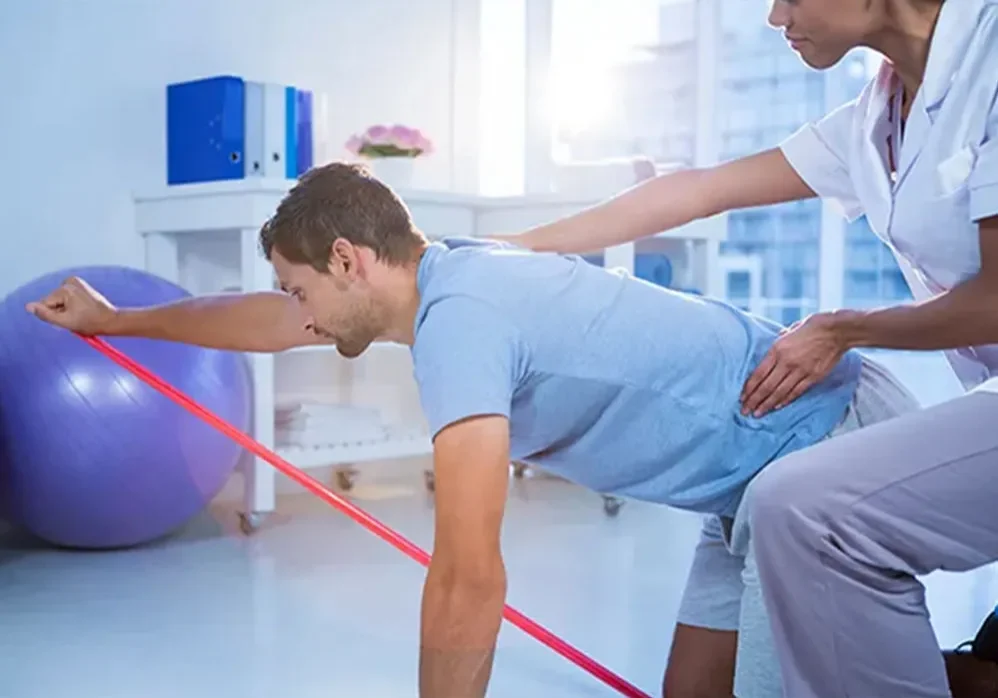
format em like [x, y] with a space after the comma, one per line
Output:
[701, 663]
[970, 677]
[842, 529]
[702, 658]
[757, 668]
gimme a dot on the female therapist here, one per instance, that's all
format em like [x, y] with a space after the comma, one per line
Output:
[843, 528]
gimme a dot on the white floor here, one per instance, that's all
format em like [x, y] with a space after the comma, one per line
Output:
[314, 605]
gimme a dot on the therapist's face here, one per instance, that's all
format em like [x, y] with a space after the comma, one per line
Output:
[821, 32]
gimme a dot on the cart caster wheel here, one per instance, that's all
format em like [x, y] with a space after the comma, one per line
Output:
[519, 470]
[430, 480]
[250, 523]
[611, 506]
[345, 479]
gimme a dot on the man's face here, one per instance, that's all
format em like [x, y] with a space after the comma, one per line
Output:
[821, 32]
[339, 305]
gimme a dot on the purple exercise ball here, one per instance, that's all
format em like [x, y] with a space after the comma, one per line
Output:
[90, 456]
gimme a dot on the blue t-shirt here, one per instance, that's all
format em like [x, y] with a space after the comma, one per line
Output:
[608, 381]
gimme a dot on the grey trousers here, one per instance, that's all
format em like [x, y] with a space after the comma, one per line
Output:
[841, 530]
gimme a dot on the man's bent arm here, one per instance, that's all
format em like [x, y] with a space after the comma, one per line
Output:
[466, 584]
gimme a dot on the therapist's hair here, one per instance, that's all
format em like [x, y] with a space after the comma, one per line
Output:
[341, 200]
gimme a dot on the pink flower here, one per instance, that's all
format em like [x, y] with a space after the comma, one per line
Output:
[376, 134]
[354, 144]
[402, 137]
[423, 143]
[384, 141]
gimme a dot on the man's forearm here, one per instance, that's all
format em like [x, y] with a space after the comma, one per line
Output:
[258, 322]
[965, 316]
[460, 624]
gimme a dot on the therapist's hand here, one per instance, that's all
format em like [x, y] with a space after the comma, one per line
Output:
[802, 356]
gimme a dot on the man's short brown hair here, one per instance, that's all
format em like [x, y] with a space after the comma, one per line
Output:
[341, 200]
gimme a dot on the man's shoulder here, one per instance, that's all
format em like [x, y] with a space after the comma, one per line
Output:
[494, 273]
[460, 315]
[462, 330]
[464, 260]
[463, 246]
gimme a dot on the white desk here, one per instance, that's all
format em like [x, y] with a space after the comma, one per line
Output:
[205, 237]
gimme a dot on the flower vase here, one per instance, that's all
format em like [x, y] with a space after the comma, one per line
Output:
[396, 172]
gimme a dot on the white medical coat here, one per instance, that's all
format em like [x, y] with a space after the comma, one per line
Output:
[925, 198]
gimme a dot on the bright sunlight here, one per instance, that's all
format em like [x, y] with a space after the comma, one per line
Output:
[590, 38]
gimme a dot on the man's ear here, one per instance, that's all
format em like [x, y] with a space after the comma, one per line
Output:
[344, 260]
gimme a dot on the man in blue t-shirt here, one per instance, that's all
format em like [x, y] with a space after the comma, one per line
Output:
[610, 382]
[606, 380]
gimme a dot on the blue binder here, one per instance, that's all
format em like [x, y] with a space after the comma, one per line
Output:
[299, 145]
[205, 130]
[304, 133]
[290, 142]
[222, 128]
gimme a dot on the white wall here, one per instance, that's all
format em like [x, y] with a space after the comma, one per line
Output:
[82, 112]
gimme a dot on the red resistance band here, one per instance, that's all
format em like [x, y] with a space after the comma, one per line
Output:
[317, 488]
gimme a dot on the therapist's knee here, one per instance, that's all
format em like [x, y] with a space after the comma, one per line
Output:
[786, 507]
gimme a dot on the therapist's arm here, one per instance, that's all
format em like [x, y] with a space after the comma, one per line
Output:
[669, 201]
[965, 316]
[466, 585]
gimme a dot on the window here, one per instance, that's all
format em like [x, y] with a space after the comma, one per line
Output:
[815, 89]
[739, 286]
[767, 94]
[502, 102]
[621, 82]
[872, 276]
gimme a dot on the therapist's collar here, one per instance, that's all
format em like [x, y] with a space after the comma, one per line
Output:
[954, 30]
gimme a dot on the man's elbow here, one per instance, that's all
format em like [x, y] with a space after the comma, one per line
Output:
[481, 581]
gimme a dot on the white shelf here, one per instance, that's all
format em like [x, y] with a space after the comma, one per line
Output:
[398, 446]
[233, 190]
